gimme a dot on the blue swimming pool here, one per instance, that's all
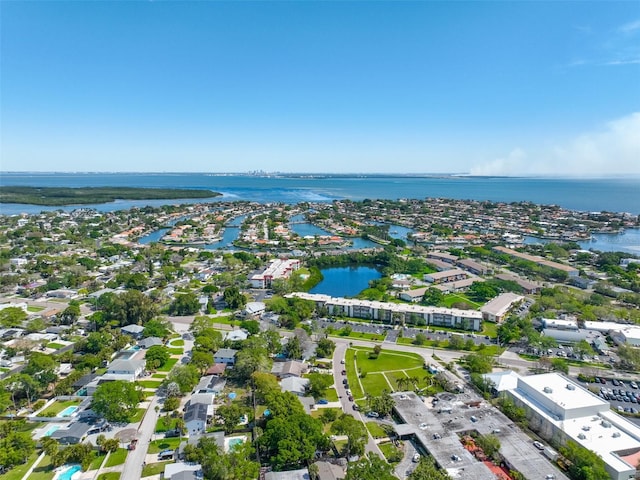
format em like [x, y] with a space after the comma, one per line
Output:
[50, 430]
[69, 472]
[67, 412]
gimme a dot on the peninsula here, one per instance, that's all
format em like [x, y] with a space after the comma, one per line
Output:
[56, 196]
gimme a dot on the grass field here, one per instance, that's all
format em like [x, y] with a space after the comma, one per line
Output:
[387, 360]
[54, 345]
[352, 376]
[153, 469]
[330, 395]
[138, 415]
[452, 298]
[18, 472]
[169, 365]
[176, 351]
[149, 383]
[165, 423]
[33, 309]
[391, 452]
[163, 444]
[376, 430]
[375, 383]
[117, 458]
[44, 470]
[109, 476]
[177, 343]
[98, 458]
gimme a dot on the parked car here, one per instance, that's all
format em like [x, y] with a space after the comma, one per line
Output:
[538, 445]
[322, 401]
[356, 407]
[373, 414]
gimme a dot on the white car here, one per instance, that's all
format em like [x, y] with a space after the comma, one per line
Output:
[538, 445]
[416, 458]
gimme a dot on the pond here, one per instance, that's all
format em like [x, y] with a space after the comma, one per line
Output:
[345, 281]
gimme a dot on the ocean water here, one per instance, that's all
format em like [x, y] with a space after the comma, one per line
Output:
[617, 195]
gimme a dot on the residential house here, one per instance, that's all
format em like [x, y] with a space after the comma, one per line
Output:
[236, 335]
[182, 471]
[125, 369]
[196, 418]
[226, 356]
[295, 385]
[133, 330]
[288, 369]
[150, 342]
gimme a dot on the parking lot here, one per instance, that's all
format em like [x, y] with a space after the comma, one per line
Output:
[622, 396]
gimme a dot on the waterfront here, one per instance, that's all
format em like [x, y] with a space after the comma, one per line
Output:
[614, 194]
[345, 281]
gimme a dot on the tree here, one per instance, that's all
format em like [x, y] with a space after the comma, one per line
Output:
[201, 360]
[432, 296]
[490, 445]
[171, 404]
[292, 440]
[12, 317]
[478, 363]
[382, 404]
[251, 359]
[17, 445]
[70, 314]
[184, 376]
[325, 348]
[156, 357]
[230, 415]
[584, 464]
[234, 298]
[427, 470]
[251, 326]
[184, 304]
[157, 328]
[116, 401]
[318, 384]
[354, 430]
[293, 349]
[456, 342]
[583, 348]
[370, 468]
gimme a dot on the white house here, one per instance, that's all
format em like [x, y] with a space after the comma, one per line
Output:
[196, 417]
[126, 369]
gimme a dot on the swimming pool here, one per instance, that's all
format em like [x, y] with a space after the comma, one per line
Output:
[50, 430]
[230, 443]
[68, 473]
[67, 412]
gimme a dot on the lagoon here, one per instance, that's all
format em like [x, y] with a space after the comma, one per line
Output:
[345, 281]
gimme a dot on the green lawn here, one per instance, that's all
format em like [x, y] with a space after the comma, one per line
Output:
[57, 346]
[137, 417]
[159, 375]
[163, 444]
[177, 343]
[374, 337]
[18, 472]
[387, 360]
[109, 476]
[489, 328]
[117, 458]
[452, 298]
[165, 423]
[44, 471]
[98, 458]
[33, 309]
[391, 452]
[374, 384]
[154, 468]
[56, 407]
[330, 395]
[149, 383]
[352, 376]
[168, 365]
[176, 351]
[376, 430]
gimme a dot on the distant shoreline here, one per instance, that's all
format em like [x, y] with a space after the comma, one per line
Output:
[65, 196]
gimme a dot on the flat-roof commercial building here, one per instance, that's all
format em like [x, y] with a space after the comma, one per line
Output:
[277, 269]
[497, 308]
[560, 410]
[390, 312]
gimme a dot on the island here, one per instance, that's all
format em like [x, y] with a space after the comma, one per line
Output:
[57, 196]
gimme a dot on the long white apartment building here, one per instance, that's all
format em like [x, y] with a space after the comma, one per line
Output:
[560, 409]
[277, 269]
[391, 312]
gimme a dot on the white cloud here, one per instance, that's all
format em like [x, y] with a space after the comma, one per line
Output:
[630, 27]
[613, 150]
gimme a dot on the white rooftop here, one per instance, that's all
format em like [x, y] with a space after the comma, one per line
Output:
[562, 392]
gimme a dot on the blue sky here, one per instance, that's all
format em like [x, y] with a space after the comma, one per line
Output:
[509, 88]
